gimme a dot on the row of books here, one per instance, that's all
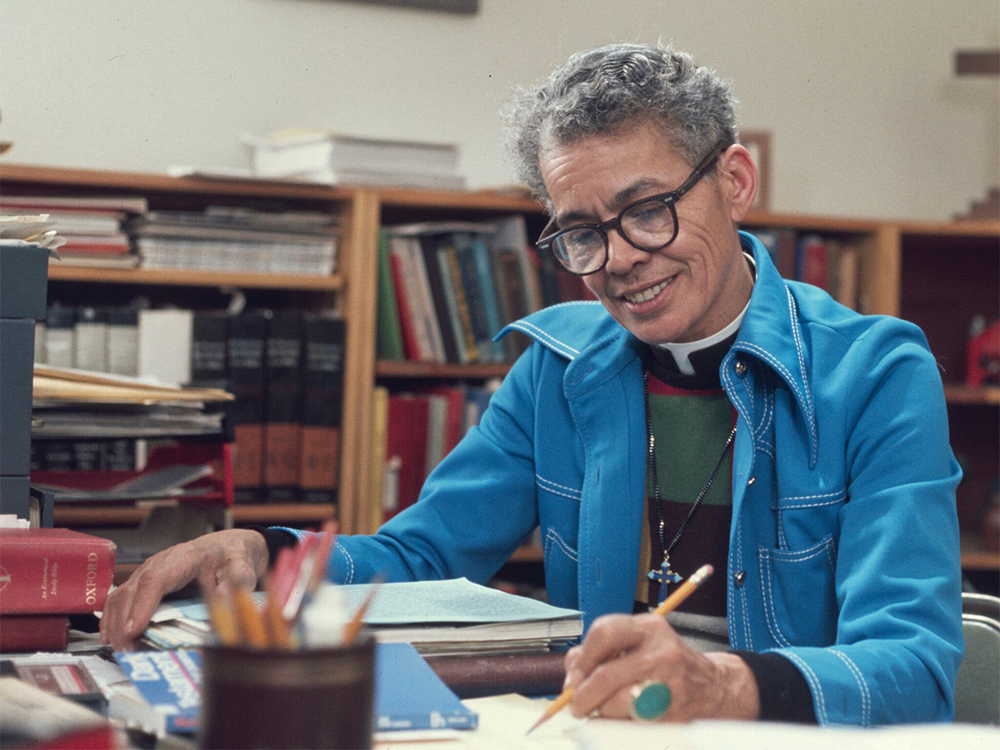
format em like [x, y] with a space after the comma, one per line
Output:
[284, 367]
[412, 432]
[445, 289]
[824, 261]
[121, 232]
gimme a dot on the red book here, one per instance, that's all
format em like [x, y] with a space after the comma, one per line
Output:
[33, 633]
[455, 415]
[406, 325]
[406, 437]
[54, 570]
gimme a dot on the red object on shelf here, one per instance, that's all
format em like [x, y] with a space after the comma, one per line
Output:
[983, 357]
[219, 484]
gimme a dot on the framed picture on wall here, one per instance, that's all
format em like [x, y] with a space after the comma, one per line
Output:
[758, 143]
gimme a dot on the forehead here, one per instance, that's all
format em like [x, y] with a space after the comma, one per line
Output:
[594, 174]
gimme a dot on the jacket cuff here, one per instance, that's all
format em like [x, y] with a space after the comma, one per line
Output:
[784, 693]
[276, 539]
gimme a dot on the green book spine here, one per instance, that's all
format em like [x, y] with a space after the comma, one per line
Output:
[389, 339]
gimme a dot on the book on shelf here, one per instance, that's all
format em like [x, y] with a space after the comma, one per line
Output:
[377, 483]
[420, 429]
[248, 332]
[282, 404]
[54, 571]
[324, 341]
[388, 338]
[333, 158]
[164, 343]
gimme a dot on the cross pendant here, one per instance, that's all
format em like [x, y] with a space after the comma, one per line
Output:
[664, 575]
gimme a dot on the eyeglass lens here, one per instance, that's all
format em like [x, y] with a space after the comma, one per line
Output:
[648, 225]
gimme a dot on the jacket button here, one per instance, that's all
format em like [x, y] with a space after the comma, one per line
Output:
[739, 578]
[751, 481]
[741, 368]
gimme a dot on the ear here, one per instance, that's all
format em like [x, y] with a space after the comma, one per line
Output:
[740, 173]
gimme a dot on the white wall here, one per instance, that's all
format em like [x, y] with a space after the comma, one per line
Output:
[866, 116]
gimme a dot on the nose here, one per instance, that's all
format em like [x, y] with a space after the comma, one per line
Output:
[622, 257]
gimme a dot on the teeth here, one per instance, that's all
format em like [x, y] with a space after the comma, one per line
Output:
[647, 294]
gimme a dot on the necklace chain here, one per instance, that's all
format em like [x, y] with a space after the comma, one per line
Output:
[650, 442]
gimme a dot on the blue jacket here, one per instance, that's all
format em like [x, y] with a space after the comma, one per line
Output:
[844, 551]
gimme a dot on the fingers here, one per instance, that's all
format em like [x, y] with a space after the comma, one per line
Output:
[225, 558]
[618, 652]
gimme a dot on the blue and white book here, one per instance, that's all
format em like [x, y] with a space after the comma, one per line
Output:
[408, 694]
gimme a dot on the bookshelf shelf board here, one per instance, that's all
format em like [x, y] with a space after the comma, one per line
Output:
[488, 200]
[287, 513]
[528, 553]
[960, 394]
[759, 219]
[974, 557]
[950, 229]
[130, 515]
[154, 277]
[394, 369]
[140, 182]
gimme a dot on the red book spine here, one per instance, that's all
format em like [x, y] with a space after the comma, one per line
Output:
[410, 347]
[33, 633]
[54, 570]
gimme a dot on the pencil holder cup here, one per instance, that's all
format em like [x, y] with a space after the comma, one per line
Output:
[308, 698]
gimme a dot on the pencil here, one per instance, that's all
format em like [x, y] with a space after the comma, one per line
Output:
[666, 606]
[223, 619]
[252, 626]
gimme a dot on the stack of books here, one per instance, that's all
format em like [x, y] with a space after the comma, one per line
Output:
[91, 226]
[330, 158]
[237, 240]
[50, 574]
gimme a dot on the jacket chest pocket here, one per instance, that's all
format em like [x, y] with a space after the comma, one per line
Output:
[559, 518]
[799, 594]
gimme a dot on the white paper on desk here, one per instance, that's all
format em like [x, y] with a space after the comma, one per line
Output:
[457, 600]
[599, 734]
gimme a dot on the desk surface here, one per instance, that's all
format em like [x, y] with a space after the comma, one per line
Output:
[503, 721]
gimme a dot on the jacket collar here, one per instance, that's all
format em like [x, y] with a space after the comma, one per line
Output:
[597, 347]
[772, 333]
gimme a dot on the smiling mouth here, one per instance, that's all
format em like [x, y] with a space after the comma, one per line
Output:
[647, 294]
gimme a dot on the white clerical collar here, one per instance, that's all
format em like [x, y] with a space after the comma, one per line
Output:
[682, 352]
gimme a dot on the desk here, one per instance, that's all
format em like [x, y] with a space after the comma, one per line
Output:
[503, 721]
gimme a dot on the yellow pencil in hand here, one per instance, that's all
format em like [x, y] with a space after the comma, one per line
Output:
[668, 605]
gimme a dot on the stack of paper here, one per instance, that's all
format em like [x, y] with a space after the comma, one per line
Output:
[457, 617]
[332, 158]
[238, 240]
[68, 403]
[438, 617]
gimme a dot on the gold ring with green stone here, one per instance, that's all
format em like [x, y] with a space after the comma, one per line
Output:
[649, 701]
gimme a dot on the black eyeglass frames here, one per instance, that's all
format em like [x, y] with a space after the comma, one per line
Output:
[648, 224]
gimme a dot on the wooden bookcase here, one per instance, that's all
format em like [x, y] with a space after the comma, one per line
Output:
[936, 274]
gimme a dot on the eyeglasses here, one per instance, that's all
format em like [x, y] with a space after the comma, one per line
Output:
[648, 224]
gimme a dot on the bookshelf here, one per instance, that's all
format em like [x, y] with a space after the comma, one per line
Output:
[936, 274]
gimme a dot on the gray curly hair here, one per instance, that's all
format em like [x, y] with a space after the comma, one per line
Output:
[605, 89]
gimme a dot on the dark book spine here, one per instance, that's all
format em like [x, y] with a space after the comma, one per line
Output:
[428, 251]
[245, 357]
[209, 339]
[282, 405]
[322, 410]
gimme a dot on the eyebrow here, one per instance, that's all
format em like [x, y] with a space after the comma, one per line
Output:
[621, 199]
